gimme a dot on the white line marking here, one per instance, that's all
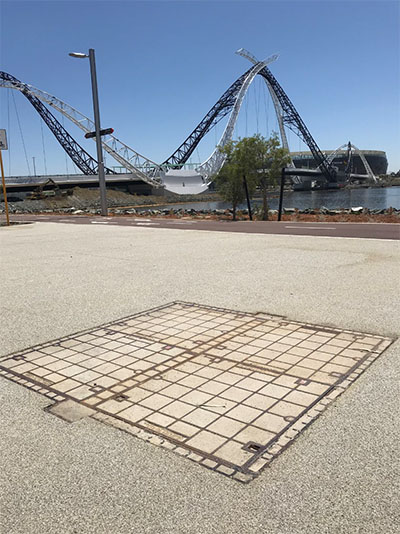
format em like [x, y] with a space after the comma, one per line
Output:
[145, 220]
[179, 222]
[313, 227]
[146, 223]
[99, 222]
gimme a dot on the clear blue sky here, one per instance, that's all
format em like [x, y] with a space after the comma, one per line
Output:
[162, 66]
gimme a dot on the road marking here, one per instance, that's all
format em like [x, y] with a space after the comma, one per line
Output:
[147, 223]
[145, 220]
[99, 222]
[180, 222]
[313, 227]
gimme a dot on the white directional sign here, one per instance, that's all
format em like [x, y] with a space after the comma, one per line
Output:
[3, 140]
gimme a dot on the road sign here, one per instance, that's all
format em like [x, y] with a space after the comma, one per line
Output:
[3, 140]
[106, 131]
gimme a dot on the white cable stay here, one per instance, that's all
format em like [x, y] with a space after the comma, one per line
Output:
[210, 168]
[140, 166]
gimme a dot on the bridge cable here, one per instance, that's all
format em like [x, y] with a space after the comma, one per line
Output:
[256, 104]
[246, 110]
[22, 135]
[43, 146]
[268, 101]
[9, 132]
[265, 101]
[259, 81]
[66, 159]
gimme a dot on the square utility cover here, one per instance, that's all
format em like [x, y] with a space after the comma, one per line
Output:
[228, 390]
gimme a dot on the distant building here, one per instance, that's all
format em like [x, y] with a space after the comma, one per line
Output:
[376, 159]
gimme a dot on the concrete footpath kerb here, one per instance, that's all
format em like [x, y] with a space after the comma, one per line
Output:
[341, 475]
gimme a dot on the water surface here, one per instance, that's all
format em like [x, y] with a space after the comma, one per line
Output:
[377, 198]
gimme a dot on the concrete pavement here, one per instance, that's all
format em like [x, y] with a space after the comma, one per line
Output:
[341, 475]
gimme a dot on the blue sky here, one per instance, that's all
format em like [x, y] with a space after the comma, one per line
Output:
[163, 65]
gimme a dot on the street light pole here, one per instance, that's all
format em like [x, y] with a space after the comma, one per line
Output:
[281, 193]
[96, 112]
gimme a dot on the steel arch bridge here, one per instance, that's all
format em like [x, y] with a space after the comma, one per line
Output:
[169, 173]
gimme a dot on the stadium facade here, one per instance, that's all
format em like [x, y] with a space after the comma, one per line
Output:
[376, 158]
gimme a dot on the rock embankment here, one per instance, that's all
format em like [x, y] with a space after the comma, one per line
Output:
[354, 214]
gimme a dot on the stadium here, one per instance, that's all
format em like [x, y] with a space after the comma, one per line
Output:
[376, 158]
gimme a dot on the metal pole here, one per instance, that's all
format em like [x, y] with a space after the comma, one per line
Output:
[4, 190]
[281, 193]
[34, 166]
[248, 198]
[96, 111]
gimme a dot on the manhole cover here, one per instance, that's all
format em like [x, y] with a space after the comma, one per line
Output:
[229, 390]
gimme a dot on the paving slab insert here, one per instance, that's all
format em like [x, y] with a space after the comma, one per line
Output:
[229, 390]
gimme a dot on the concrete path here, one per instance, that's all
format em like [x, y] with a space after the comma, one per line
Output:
[341, 476]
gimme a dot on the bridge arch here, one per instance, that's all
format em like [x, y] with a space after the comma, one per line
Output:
[167, 174]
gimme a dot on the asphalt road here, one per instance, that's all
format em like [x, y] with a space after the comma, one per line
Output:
[357, 230]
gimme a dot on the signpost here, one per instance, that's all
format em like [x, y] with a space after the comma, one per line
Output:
[4, 146]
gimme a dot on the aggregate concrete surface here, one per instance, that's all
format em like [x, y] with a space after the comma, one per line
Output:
[341, 476]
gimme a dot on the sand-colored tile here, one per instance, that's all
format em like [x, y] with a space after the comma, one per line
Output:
[271, 422]
[192, 381]
[286, 409]
[301, 397]
[196, 398]
[177, 409]
[123, 374]
[251, 384]
[160, 419]
[233, 452]
[77, 358]
[80, 393]
[113, 406]
[87, 376]
[243, 413]
[72, 370]
[24, 367]
[206, 441]
[67, 385]
[274, 390]
[155, 384]
[261, 402]
[184, 428]
[255, 434]
[235, 394]
[200, 417]
[155, 401]
[226, 426]
[176, 391]
[135, 413]
[137, 394]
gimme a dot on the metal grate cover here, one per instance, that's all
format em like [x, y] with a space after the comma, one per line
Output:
[229, 390]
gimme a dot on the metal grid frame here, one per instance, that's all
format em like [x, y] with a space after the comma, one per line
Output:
[218, 362]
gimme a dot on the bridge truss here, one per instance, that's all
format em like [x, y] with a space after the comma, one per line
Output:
[155, 174]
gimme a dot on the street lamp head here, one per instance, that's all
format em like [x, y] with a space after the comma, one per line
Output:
[78, 54]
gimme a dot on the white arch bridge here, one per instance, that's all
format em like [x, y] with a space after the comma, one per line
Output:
[169, 174]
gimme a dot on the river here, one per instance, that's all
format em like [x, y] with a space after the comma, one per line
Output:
[374, 198]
